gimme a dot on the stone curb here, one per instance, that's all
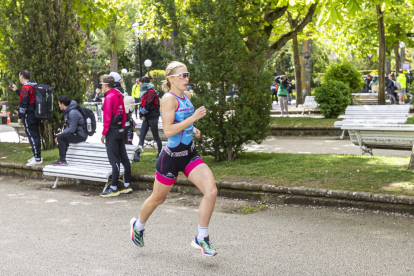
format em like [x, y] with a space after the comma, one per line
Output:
[266, 193]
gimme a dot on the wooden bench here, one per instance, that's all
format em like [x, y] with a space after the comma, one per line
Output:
[149, 139]
[87, 161]
[309, 104]
[374, 114]
[21, 133]
[380, 136]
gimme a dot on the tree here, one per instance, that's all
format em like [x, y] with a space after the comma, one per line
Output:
[45, 38]
[223, 59]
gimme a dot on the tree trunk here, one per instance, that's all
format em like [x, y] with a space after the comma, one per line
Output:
[307, 66]
[298, 82]
[95, 81]
[381, 62]
[396, 49]
[114, 61]
[388, 64]
[46, 135]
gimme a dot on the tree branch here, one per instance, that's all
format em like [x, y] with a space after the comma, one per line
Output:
[288, 36]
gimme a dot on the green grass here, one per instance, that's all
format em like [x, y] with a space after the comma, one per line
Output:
[301, 122]
[324, 171]
[251, 209]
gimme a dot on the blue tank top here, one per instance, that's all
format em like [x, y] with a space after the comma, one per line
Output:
[184, 110]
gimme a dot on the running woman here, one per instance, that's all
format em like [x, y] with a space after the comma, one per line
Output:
[179, 154]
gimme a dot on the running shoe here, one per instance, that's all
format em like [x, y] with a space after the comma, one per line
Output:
[60, 163]
[34, 162]
[126, 190]
[136, 235]
[109, 192]
[206, 248]
[33, 158]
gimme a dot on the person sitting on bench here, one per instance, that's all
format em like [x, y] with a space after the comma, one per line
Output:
[74, 132]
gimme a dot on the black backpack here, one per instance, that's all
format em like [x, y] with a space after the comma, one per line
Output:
[44, 101]
[90, 128]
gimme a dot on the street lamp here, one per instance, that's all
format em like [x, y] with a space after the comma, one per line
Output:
[137, 33]
[124, 71]
[147, 64]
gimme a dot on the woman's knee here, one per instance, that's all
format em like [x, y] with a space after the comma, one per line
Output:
[158, 199]
[211, 192]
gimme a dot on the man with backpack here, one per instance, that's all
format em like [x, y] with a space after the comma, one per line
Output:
[113, 136]
[74, 131]
[27, 116]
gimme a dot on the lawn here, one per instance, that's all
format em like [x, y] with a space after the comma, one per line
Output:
[325, 171]
[301, 122]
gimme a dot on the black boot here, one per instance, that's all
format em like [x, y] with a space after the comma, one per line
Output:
[137, 156]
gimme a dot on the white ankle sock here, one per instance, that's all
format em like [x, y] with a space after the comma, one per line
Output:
[126, 185]
[140, 225]
[202, 232]
[113, 188]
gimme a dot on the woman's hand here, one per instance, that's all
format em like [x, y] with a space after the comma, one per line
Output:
[196, 132]
[200, 113]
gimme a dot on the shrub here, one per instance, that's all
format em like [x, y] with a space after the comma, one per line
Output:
[333, 98]
[346, 73]
[157, 77]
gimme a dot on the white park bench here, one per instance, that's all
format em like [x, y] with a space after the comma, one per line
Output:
[364, 98]
[374, 114]
[309, 104]
[380, 136]
[21, 133]
[87, 161]
[149, 138]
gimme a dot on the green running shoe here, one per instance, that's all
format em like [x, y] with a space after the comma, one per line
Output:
[137, 236]
[206, 248]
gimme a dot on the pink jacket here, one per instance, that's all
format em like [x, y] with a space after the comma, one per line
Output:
[113, 111]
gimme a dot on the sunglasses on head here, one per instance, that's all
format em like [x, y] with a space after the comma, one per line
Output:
[181, 75]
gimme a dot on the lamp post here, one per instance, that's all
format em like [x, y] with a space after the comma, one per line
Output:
[137, 33]
[147, 64]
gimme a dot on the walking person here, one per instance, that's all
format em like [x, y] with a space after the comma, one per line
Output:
[135, 93]
[74, 131]
[282, 92]
[98, 100]
[178, 117]
[149, 113]
[27, 116]
[113, 137]
[403, 81]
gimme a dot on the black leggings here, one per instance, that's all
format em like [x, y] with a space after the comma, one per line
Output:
[153, 125]
[115, 148]
[63, 143]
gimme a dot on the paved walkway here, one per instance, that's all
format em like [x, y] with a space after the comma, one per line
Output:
[310, 145]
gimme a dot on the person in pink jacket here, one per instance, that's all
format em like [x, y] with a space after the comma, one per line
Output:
[114, 115]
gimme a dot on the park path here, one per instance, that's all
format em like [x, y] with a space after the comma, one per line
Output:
[73, 231]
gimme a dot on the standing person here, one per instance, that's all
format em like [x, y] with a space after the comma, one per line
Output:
[98, 99]
[367, 81]
[149, 113]
[403, 81]
[390, 88]
[282, 92]
[118, 80]
[273, 88]
[178, 116]
[74, 131]
[113, 136]
[135, 93]
[27, 116]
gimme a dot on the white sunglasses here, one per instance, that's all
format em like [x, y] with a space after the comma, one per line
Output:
[181, 75]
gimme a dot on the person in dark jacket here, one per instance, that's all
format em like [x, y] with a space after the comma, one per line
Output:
[149, 113]
[368, 80]
[390, 88]
[74, 131]
[27, 116]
